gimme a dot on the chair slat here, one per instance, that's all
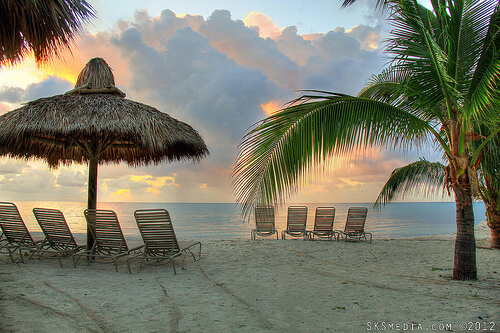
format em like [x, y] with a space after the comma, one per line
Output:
[323, 223]
[14, 230]
[12, 224]
[160, 241]
[264, 222]
[58, 238]
[296, 222]
[156, 229]
[355, 224]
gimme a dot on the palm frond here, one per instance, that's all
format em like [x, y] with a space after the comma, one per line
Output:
[394, 87]
[275, 155]
[467, 29]
[421, 177]
[417, 48]
[385, 87]
[483, 90]
[43, 27]
[489, 171]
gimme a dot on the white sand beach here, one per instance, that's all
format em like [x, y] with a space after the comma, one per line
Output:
[265, 285]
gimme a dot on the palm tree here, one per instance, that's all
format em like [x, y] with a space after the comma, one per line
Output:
[427, 178]
[423, 176]
[489, 184]
[439, 85]
[39, 26]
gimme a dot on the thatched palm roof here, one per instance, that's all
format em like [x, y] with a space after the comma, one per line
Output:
[95, 121]
[72, 127]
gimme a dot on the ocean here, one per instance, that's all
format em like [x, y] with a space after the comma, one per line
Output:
[224, 221]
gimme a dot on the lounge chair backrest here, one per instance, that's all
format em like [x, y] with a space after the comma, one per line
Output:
[157, 230]
[108, 235]
[356, 217]
[12, 224]
[264, 219]
[55, 228]
[324, 218]
[297, 218]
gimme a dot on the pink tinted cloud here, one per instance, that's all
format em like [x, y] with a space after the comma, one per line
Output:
[263, 24]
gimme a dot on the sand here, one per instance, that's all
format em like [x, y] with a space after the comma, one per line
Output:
[265, 285]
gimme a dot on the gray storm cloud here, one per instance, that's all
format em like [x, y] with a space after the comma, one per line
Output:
[11, 94]
[49, 86]
[193, 81]
[216, 73]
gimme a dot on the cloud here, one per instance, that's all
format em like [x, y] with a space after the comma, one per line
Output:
[11, 94]
[354, 179]
[28, 181]
[12, 167]
[263, 24]
[137, 187]
[218, 74]
[125, 182]
[368, 37]
[246, 47]
[294, 46]
[198, 84]
[72, 178]
[49, 86]
[336, 45]
[157, 30]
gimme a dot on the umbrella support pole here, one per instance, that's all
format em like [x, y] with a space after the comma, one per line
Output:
[92, 196]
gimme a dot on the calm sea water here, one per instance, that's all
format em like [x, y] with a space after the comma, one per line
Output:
[223, 221]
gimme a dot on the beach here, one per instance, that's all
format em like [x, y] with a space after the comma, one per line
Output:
[270, 285]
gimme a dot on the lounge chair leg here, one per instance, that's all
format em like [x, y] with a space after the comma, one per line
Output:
[185, 255]
[11, 257]
[173, 264]
[184, 259]
[128, 266]
[32, 254]
[21, 256]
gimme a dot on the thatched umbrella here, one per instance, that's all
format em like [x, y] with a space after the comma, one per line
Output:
[94, 123]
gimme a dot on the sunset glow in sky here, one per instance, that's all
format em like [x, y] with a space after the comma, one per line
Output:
[220, 66]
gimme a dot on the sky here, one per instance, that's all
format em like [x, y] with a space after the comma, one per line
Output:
[220, 66]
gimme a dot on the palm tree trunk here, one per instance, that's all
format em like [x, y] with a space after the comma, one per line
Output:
[92, 197]
[464, 267]
[494, 224]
